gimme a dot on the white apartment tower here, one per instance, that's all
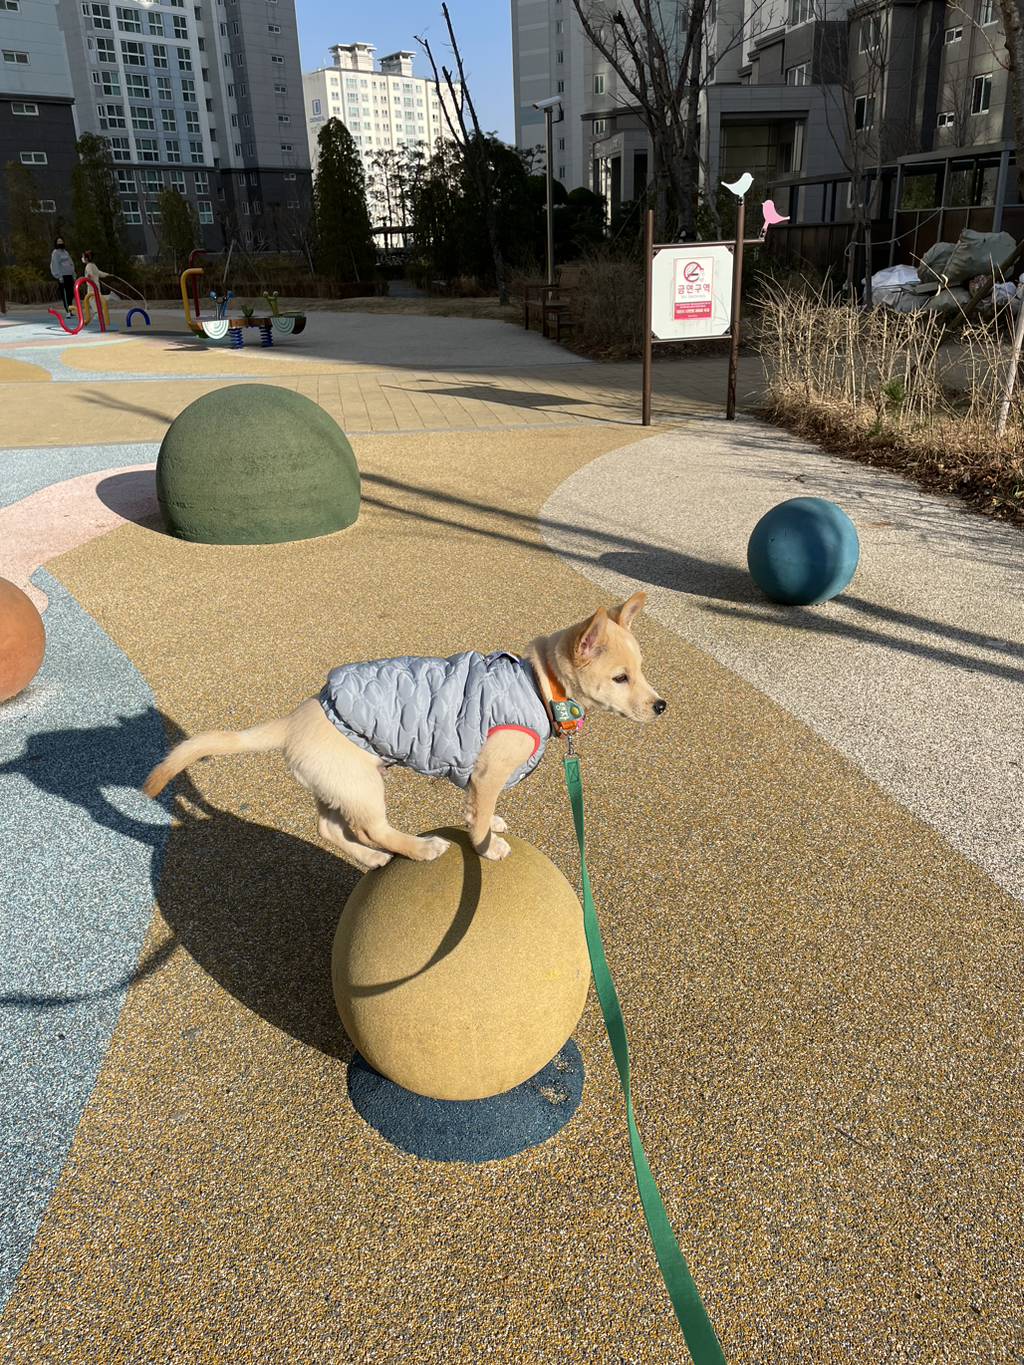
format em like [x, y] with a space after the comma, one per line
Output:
[384, 106]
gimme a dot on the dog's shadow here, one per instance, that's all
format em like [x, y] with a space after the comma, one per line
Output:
[258, 909]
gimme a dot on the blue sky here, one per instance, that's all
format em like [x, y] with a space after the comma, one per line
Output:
[483, 28]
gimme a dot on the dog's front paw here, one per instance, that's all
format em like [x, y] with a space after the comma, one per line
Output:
[496, 849]
[431, 848]
[498, 825]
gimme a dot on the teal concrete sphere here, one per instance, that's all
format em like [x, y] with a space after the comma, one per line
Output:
[803, 551]
[252, 464]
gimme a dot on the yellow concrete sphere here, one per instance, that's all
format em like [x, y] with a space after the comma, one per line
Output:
[461, 978]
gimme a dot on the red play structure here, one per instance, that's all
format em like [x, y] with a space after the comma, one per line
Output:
[83, 284]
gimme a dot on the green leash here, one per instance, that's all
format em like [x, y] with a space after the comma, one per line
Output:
[697, 1330]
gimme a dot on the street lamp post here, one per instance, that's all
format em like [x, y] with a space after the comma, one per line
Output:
[552, 109]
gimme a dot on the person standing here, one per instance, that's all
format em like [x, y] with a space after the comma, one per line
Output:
[62, 268]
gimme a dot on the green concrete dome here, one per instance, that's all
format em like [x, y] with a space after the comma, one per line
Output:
[252, 464]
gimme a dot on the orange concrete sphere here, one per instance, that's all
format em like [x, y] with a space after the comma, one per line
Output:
[22, 640]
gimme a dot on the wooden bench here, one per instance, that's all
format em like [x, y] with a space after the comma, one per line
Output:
[552, 303]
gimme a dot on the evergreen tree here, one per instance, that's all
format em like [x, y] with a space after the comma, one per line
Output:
[30, 233]
[179, 229]
[97, 212]
[344, 244]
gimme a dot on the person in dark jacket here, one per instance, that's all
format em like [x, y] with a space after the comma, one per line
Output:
[62, 268]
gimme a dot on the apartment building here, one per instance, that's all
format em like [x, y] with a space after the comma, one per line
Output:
[37, 128]
[385, 106]
[202, 98]
[762, 109]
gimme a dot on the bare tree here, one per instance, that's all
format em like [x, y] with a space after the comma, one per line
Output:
[475, 145]
[1013, 35]
[665, 56]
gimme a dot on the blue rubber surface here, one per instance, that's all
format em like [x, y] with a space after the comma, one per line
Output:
[27, 469]
[81, 853]
[470, 1130]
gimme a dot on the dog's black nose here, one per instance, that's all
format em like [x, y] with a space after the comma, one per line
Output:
[660, 706]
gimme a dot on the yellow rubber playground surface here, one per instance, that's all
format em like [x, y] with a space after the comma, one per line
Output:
[809, 905]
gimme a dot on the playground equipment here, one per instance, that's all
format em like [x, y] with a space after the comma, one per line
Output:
[803, 552]
[82, 302]
[227, 326]
[284, 469]
[22, 640]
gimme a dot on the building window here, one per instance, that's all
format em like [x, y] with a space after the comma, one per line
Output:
[120, 148]
[130, 20]
[273, 28]
[147, 148]
[870, 33]
[25, 110]
[800, 11]
[561, 140]
[33, 158]
[202, 180]
[559, 26]
[946, 120]
[953, 35]
[798, 75]
[560, 88]
[176, 179]
[137, 86]
[159, 55]
[172, 149]
[283, 90]
[560, 57]
[126, 182]
[99, 14]
[863, 112]
[277, 59]
[168, 121]
[15, 58]
[155, 24]
[163, 89]
[286, 147]
[192, 121]
[188, 91]
[284, 118]
[987, 12]
[184, 60]
[111, 116]
[133, 54]
[289, 176]
[981, 95]
[13, 5]
[205, 211]
[316, 107]
[561, 172]
[132, 215]
[42, 205]
[105, 50]
[599, 85]
[245, 207]
[238, 149]
[196, 150]
[153, 214]
[180, 25]
[152, 181]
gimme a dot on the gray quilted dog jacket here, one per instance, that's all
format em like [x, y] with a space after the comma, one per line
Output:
[434, 715]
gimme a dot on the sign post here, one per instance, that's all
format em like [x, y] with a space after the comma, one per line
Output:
[692, 291]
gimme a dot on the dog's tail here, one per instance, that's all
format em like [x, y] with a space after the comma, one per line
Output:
[260, 739]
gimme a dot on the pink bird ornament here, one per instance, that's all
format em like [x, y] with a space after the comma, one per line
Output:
[772, 217]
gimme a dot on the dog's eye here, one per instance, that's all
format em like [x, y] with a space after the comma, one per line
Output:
[622, 677]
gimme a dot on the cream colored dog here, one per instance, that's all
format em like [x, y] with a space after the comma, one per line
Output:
[596, 663]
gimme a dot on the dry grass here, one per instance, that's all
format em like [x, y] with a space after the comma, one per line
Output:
[888, 389]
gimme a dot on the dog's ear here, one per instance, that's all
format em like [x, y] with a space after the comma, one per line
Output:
[590, 640]
[623, 615]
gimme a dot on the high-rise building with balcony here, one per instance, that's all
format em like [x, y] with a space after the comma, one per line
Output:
[204, 98]
[384, 105]
[37, 128]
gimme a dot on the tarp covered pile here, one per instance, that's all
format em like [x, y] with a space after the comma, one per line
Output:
[947, 273]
